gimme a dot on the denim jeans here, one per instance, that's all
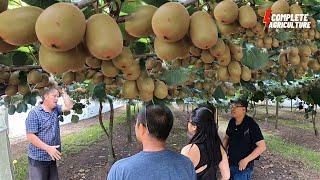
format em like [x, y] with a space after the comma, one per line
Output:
[236, 174]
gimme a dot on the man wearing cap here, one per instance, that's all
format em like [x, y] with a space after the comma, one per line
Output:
[243, 140]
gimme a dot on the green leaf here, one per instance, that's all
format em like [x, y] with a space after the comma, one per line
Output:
[75, 118]
[270, 97]
[156, 3]
[255, 58]
[218, 93]
[5, 60]
[88, 11]
[99, 92]
[19, 58]
[40, 3]
[289, 76]
[30, 98]
[140, 48]
[123, 30]
[258, 96]
[21, 107]
[179, 102]
[248, 85]
[315, 95]
[175, 76]
[130, 6]
[23, 77]
[318, 25]
[79, 111]
[191, 9]
[11, 109]
[30, 61]
[277, 92]
[7, 100]
[284, 36]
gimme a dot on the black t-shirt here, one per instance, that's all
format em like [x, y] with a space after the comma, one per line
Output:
[242, 139]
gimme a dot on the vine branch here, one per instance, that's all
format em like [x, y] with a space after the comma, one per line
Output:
[4, 68]
[189, 2]
[84, 3]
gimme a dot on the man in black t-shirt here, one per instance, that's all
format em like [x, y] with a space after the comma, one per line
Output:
[244, 142]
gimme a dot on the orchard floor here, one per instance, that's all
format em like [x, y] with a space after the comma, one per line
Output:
[90, 163]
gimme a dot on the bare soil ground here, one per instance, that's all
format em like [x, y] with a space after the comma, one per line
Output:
[91, 162]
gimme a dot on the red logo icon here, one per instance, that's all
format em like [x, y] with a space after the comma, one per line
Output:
[267, 19]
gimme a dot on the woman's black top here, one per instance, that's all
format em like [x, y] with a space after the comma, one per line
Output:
[210, 172]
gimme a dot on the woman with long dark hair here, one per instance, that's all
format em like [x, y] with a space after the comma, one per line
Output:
[205, 149]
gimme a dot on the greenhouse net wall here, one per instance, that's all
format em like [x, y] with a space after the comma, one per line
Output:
[5, 160]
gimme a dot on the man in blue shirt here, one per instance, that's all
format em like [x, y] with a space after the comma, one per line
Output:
[43, 133]
[155, 162]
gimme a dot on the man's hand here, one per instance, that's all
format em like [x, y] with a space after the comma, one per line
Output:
[53, 152]
[243, 164]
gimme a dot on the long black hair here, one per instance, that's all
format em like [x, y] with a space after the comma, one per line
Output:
[207, 132]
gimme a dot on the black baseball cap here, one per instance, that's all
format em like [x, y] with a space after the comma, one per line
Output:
[241, 102]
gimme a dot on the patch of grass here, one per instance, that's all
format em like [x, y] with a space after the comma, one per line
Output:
[21, 168]
[293, 124]
[74, 143]
[293, 152]
[287, 150]
[71, 144]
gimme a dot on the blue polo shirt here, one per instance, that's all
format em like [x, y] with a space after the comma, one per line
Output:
[45, 125]
[160, 165]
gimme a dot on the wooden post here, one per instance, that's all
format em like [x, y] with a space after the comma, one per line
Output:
[267, 111]
[254, 110]
[128, 108]
[267, 104]
[277, 113]
[313, 117]
[6, 170]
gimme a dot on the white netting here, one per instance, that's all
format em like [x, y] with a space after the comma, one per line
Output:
[5, 168]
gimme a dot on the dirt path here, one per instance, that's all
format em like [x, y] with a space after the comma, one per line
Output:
[91, 163]
[294, 135]
[272, 166]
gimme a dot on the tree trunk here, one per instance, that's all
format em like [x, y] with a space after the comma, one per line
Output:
[313, 116]
[267, 111]
[110, 134]
[128, 108]
[291, 105]
[184, 107]
[254, 110]
[111, 120]
[267, 106]
[277, 113]
[100, 120]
